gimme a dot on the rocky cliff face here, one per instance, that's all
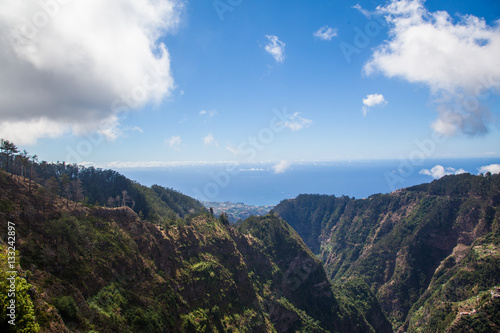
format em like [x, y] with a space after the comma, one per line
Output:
[409, 244]
[89, 268]
[298, 274]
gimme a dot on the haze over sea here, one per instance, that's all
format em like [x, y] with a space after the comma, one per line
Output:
[259, 184]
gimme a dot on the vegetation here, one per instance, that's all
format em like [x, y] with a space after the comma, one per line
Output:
[97, 187]
[105, 269]
[23, 315]
[423, 251]
[97, 252]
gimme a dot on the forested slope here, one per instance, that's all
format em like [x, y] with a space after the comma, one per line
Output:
[427, 251]
[89, 268]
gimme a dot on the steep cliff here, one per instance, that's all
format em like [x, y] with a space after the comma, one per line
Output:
[410, 244]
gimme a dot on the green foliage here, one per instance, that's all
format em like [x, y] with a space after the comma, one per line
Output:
[146, 320]
[181, 204]
[309, 215]
[6, 205]
[397, 241]
[25, 320]
[109, 301]
[67, 307]
[196, 321]
[175, 267]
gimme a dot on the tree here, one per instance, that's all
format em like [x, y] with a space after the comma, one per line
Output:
[9, 150]
[125, 197]
[34, 159]
[110, 202]
[25, 162]
[77, 190]
[3, 155]
[52, 185]
[66, 188]
[224, 218]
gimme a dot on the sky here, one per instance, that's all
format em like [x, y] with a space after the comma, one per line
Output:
[146, 83]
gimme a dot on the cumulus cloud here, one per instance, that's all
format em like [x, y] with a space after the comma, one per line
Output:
[325, 33]
[493, 168]
[209, 140]
[174, 142]
[439, 171]
[275, 47]
[295, 122]
[74, 67]
[371, 101]
[457, 59]
[281, 167]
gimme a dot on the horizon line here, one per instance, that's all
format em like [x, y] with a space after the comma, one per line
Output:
[166, 164]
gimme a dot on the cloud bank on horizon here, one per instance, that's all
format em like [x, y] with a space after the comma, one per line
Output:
[281, 167]
[458, 61]
[440, 171]
[492, 168]
[75, 67]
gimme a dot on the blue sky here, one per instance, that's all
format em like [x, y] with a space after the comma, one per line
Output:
[383, 78]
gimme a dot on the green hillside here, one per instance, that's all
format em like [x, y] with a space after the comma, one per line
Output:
[97, 252]
[89, 268]
[428, 252]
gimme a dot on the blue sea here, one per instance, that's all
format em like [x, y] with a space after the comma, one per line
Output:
[258, 184]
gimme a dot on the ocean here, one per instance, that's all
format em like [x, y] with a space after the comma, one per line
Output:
[258, 184]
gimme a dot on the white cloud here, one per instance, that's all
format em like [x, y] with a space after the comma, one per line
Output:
[232, 150]
[371, 101]
[275, 47]
[174, 142]
[362, 10]
[295, 122]
[374, 99]
[325, 33]
[493, 168]
[439, 171]
[251, 169]
[72, 67]
[209, 140]
[208, 114]
[281, 167]
[457, 60]
[26, 132]
[155, 164]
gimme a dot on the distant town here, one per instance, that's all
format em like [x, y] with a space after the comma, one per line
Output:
[236, 210]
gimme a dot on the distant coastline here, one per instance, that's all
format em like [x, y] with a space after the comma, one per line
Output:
[258, 184]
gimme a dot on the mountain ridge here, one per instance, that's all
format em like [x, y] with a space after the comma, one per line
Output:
[93, 268]
[99, 252]
[397, 242]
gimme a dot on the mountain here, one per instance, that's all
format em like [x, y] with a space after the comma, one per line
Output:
[430, 253]
[84, 267]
